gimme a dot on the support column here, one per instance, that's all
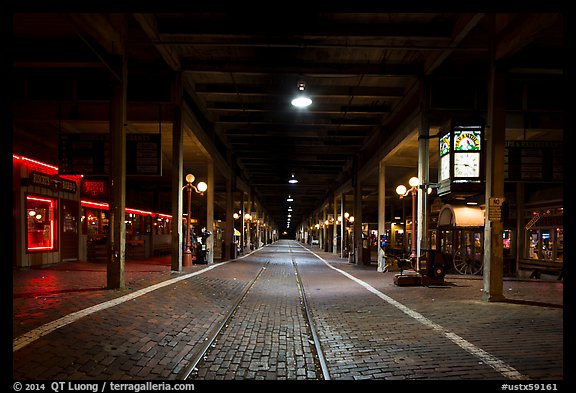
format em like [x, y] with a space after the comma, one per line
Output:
[177, 175]
[330, 229]
[493, 229]
[257, 240]
[520, 235]
[335, 228]
[317, 231]
[242, 232]
[324, 229]
[117, 227]
[381, 213]
[210, 213]
[357, 225]
[326, 245]
[229, 229]
[262, 236]
[424, 176]
[249, 237]
[342, 224]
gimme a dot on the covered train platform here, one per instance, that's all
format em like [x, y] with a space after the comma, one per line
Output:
[287, 311]
[177, 216]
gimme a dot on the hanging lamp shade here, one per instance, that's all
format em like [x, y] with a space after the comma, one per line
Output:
[301, 100]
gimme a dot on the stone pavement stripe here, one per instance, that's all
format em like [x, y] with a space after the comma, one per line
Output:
[497, 364]
[35, 334]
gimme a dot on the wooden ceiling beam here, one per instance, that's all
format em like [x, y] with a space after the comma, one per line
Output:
[318, 90]
[288, 66]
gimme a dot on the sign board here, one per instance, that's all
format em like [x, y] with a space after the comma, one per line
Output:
[495, 208]
[143, 154]
[533, 161]
[54, 182]
[84, 154]
[94, 188]
[532, 221]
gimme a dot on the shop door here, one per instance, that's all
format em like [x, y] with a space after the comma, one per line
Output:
[69, 230]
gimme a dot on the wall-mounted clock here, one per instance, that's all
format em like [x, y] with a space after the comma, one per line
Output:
[461, 152]
[444, 167]
[466, 165]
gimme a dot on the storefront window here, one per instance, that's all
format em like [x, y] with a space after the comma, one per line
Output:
[545, 244]
[559, 244]
[533, 240]
[507, 241]
[41, 223]
[95, 224]
[546, 247]
[162, 225]
[545, 238]
[133, 223]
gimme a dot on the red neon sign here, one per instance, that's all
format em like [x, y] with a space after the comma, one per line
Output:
[41, 227]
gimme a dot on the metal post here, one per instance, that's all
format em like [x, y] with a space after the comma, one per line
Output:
[414, 191]
[187, 255]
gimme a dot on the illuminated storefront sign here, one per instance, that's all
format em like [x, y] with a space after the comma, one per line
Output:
[41, 223]
[55, 183]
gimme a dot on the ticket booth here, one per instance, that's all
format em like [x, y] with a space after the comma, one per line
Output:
[461, 237]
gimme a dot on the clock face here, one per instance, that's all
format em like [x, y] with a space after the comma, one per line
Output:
[444, 167]
[466, 165]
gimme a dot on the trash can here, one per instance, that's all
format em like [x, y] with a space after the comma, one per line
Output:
[433, 263]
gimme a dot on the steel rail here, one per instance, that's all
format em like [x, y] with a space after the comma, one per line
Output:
[215, 331]
[311, 324]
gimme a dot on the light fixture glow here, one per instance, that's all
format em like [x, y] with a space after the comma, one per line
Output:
[202, 186]
[414, 182]
[401, 189]
[293, 180]
[301, 100]
[290, 199]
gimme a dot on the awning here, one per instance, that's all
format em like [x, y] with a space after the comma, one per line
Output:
[236, 232]
[460, 216]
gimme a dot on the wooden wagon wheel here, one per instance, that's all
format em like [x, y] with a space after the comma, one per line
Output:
[464, 264]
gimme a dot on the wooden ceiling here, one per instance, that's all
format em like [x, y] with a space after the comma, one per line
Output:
[363, 70]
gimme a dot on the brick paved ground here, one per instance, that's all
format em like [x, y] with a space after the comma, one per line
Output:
[268, 336]
[362, 335]
[370, 338]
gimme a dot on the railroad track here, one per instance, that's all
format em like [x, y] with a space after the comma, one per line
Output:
[198, 359]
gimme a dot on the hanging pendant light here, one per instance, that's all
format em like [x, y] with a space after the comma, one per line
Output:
[301, 100]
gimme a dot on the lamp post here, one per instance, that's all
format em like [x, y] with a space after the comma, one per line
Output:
[352, 247]
[200, 189]
[402, 191]
[248, 238]
[241, 240]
